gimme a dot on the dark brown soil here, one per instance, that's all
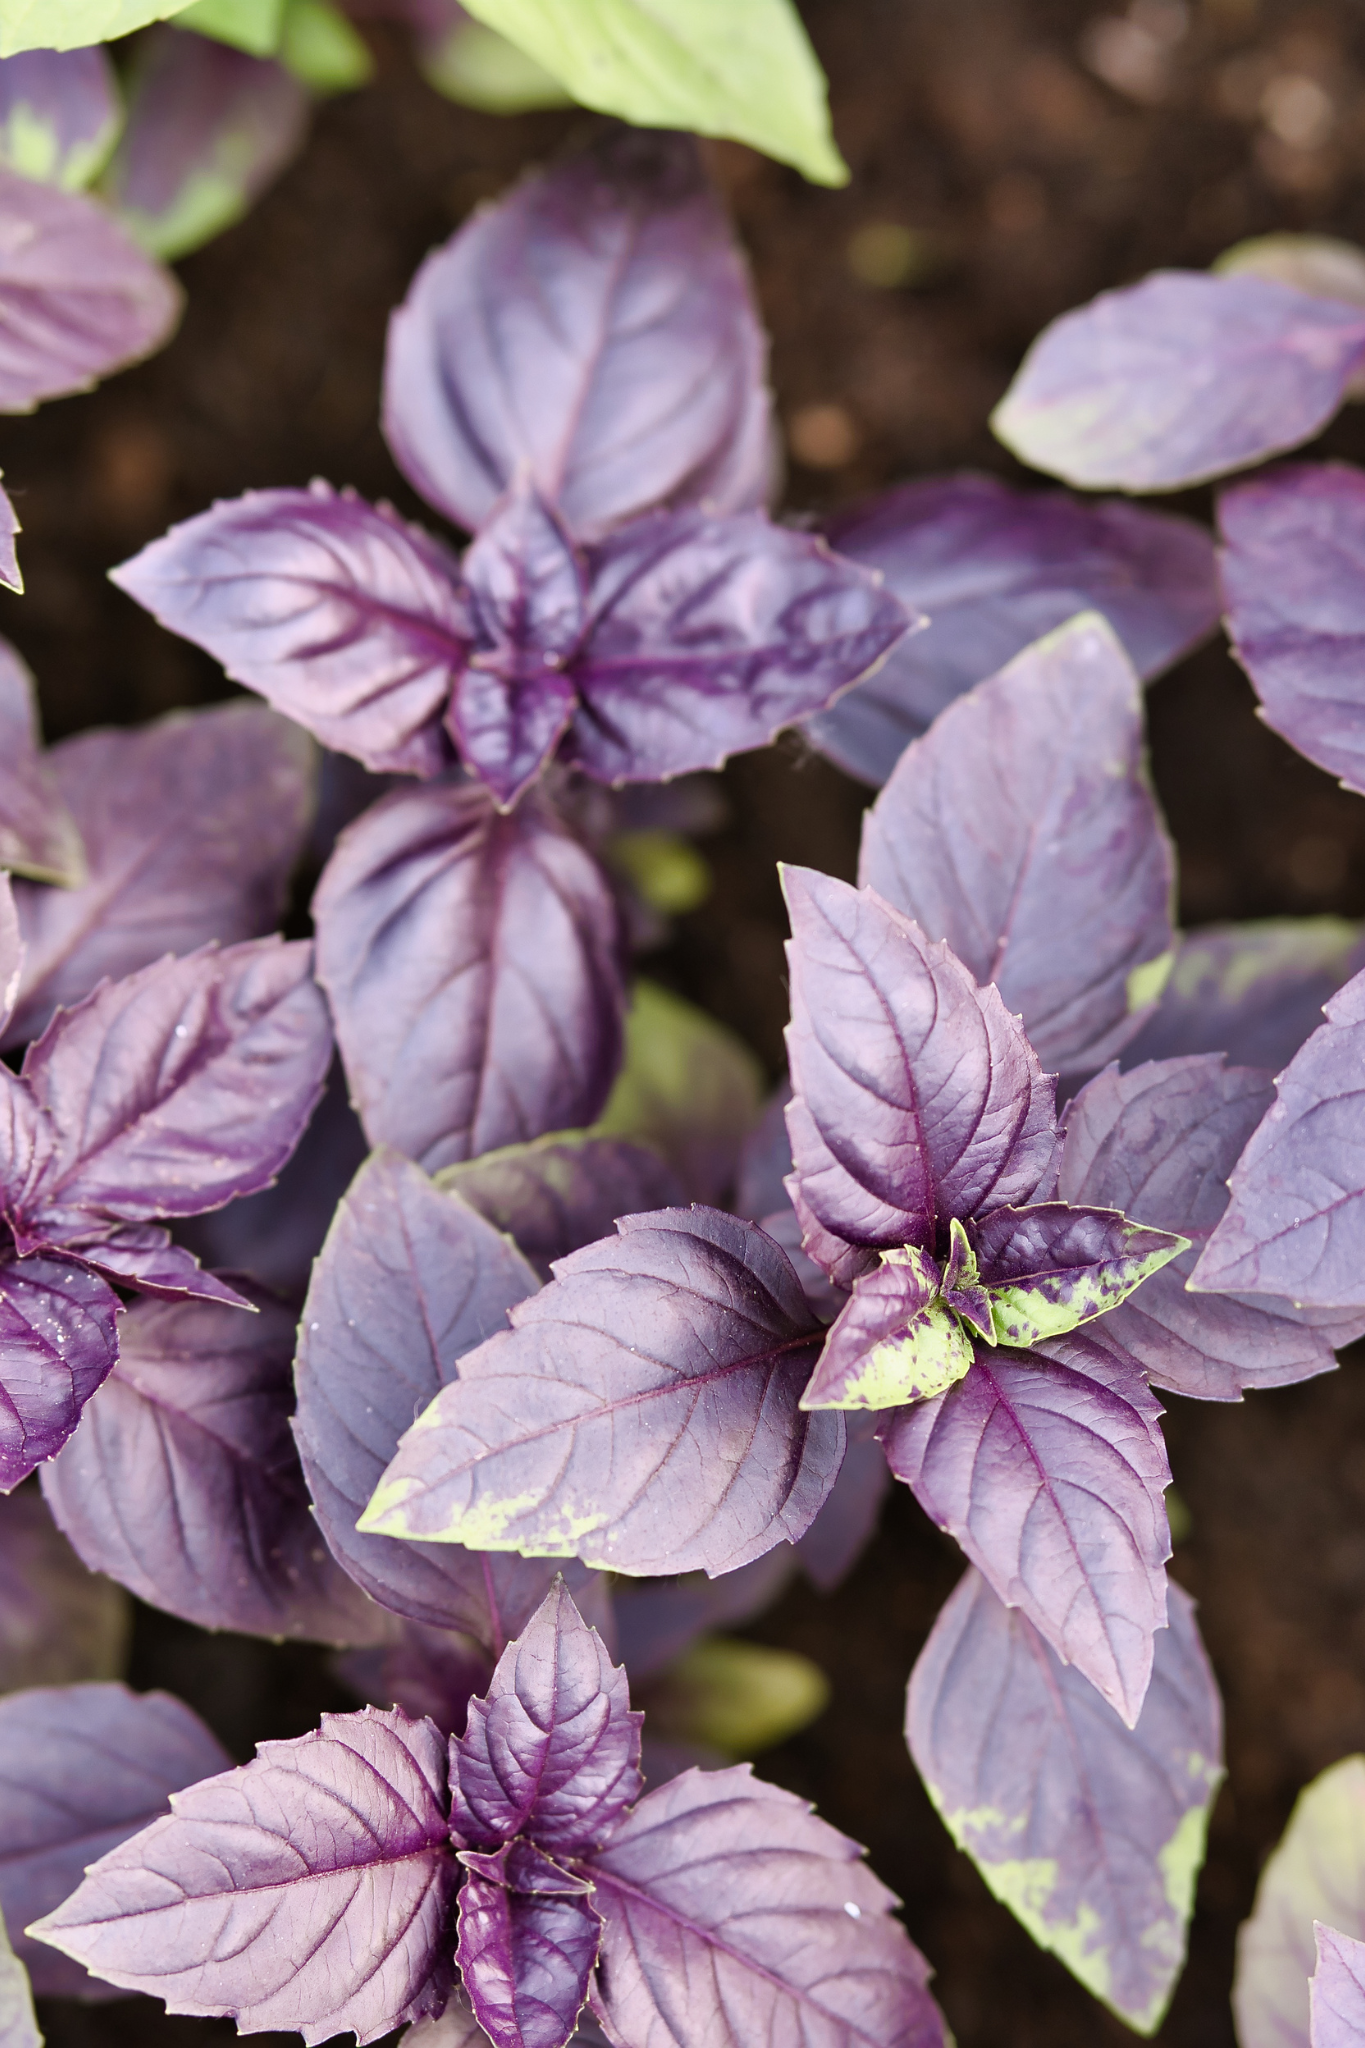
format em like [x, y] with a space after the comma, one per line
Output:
[1031, 183]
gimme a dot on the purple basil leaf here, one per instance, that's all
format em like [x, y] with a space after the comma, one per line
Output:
[1178, 379]
[1315, 1874]
[409, 1280]
[472, 965]
[59, 1623]
[895, 1339]
[1091, 1833]
[59, 114]
[687, 1958]
[526, 593]
[766, 1160]
[658, 1619]
[847, 1522]
[38, 835]
[173, 1090]
[338, 613]
[11, 951]
[596, 326]
[426, 1671]
[310, 1889]
[18, 2026]
[183, 1482]
[1049, 1469]
[58, 1343]
[525, 1961]
[1253, 991]
[562, 1192]
[209, 127]
[1050, 1268]
[1294, 1224]
[1159, 1143]
[1293, 559]
[1023, 831]
[553, 1751]
[82, 1767]
[825, 1296]
[142, 1256]
[706, 636]
[917, 1096]
[1337, 1992]
[995, 569]
[78, 299]
[641, 1414]
[192, 827]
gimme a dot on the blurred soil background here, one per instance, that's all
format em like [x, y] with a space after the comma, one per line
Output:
[1010, 158]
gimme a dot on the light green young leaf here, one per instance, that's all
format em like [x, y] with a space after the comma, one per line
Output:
[688, 1087]
[1029, 1312]
[321, 48]
[251, 25]
[71, 24]
[477, 67]
[1317, 1873]
[741, 68]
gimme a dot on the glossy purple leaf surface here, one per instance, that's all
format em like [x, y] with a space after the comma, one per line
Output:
[59, 1623]
[58, 1343]
[408, 1282]
[525, 1961]
[595, 327]
[1254, 991]
[1048, 1467]
[553, 1750]
[1092, 1833]
[82, 1767]
[1295, 1225]
[562, 1191]
[59, 113]
[309, 1889]
[706, 636]
[172, 1090]
[917, 1096]
[191, 827]
[689, 1957]
[1180, 378]
[1293, 561]
[183, 1482]
[340, 615]
[995, 569]
[1159, 1143]
[78, 299]
[1337, 1992]
[1023, 831]
[471, 961]
[662, 1435]
[38, 835]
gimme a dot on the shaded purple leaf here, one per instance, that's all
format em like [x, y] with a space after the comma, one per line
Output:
[766, 1160]
[825, 1296]
[1091, 1833]
[409, 1281]
[59, 1623]
[553, 1751]
[1023, 831]
[11, 951]
[426, 1671]
[597, 327]
[1253, 991]
[38, 835]
[142, 1255]
[657, 1620]
[1048, 1467]
[563, 1191]
[1178, 379]
[847, 1522]
[706, 636]
[525, 1961]
[995, 569]
[340, 614]
[527, 597]
[471, 963]
[1159, 1143]
[309, 1889]
[689, 1956]
[83, 1767]
[662, 1435]
[172, 1090]
[58, 1343]
[11, 576]
[191, 826]
[1295, 1221]
[1317, 1873]
[18, 2027]
[688, 1088]
[1336, 1995]
[59, 113]
[1293, 559]
[209, 128]
[917, 1096]
[78, 299]
[183, 1482]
